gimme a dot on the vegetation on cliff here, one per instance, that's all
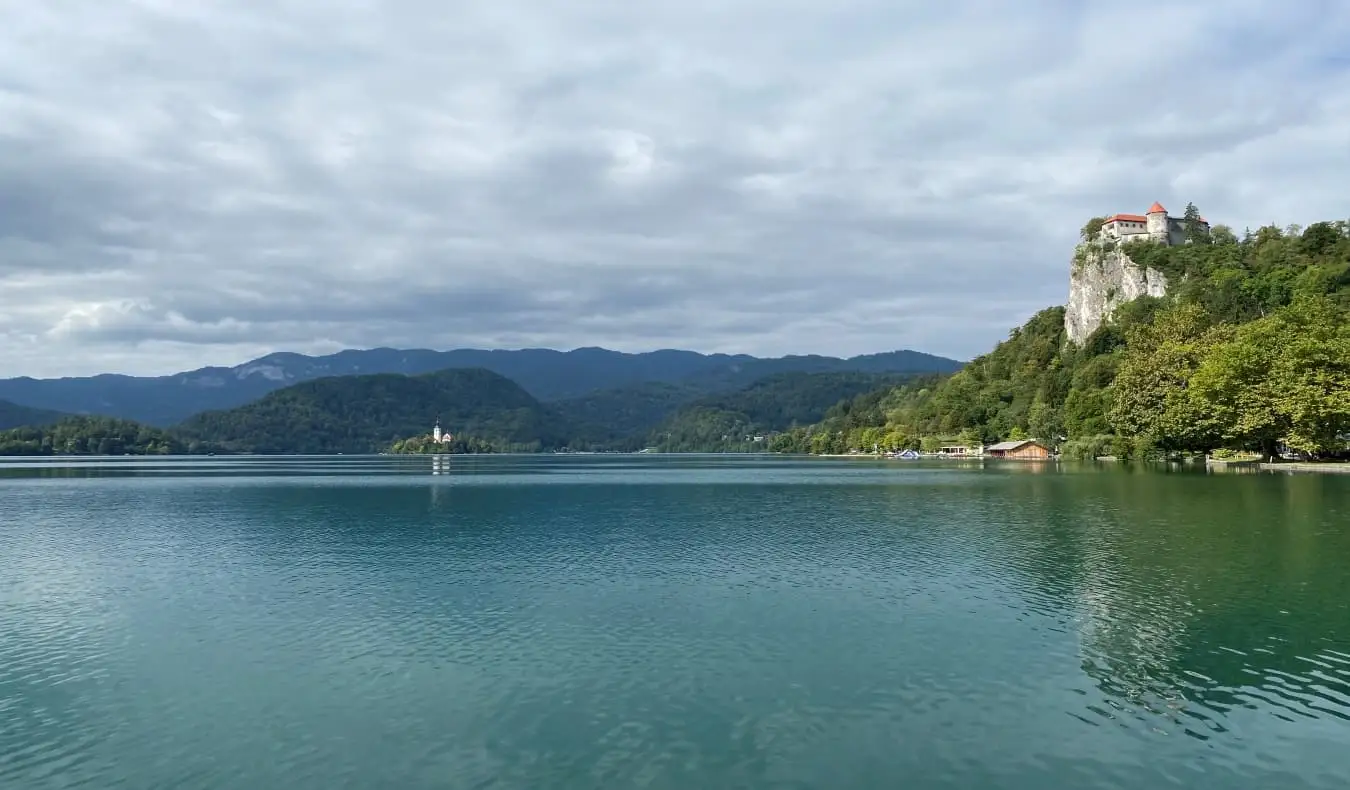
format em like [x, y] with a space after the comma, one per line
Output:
[1250, 349]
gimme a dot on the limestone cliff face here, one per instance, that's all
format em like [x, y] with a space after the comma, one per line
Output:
[1101, 279]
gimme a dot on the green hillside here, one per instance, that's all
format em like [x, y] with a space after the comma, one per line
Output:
[722, 422]
[12, 415]
[629, 412]
[1250, 349]
[90, 436]
[362, 414]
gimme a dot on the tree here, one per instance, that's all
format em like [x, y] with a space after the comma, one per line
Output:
[1319, 238]
[1045, 422]
[1092, 228]
[1195, 230]
[1234, 384]
[1223, 235]
[1150, 397]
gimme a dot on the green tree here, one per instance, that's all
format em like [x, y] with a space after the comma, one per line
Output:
[1195, 230]
[1150, 397]
[1285, 378]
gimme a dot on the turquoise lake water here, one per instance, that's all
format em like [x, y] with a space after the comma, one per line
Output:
[669, 622]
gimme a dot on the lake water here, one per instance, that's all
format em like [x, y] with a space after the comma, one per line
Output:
[683, 622]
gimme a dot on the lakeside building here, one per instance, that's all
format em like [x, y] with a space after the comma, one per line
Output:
[1024, 450]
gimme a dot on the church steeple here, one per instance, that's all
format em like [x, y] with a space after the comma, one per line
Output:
[436, 432]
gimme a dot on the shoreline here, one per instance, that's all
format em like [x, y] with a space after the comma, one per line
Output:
[1329, 467]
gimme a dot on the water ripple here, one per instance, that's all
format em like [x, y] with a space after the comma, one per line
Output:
[667, 623]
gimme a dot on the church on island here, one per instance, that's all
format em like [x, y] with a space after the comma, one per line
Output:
[1155, 225]
[440, 437]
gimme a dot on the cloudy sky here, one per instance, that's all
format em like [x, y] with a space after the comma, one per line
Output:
[191, 182]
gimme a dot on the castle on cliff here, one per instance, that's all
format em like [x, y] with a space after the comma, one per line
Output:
[1103, 277]
[1155, 225]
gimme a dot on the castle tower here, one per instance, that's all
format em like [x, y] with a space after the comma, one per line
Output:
[1157, 223]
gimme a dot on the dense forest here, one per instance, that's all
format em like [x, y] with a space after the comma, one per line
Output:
[91, 436]
[364, 414]
[629, 413]
[729, 422]
[484, 411]
[1250, 350]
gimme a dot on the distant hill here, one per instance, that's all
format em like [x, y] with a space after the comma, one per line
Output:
[629, 411]
[12, 415]
[362, 414]
[547, 375]
[774, 403]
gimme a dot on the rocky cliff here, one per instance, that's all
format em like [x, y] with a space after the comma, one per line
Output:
[1101, 279]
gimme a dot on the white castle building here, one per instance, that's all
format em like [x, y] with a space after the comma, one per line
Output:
[1155, 225]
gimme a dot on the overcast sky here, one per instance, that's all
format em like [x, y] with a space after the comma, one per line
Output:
[192, 182]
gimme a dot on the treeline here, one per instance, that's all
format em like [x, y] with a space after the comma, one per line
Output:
[94, 436]
[459, 445]
[1250, 350]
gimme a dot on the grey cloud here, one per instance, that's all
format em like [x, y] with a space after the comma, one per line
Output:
[191, 183]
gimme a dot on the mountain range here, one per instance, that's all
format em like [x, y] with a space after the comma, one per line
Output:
[364, 414]
[670, 377]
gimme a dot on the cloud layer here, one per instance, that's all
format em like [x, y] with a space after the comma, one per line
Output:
[185, 182]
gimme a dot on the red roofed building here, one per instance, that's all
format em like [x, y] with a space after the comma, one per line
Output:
[1155, 225]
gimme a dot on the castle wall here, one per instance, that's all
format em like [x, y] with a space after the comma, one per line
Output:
[1176, 231]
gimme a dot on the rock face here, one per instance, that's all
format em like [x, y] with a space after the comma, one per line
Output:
[1099, 282]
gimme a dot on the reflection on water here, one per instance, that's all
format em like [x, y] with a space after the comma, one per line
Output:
[594, 621]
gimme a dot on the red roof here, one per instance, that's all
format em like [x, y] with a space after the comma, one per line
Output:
[1127, 218]
[1156, 207]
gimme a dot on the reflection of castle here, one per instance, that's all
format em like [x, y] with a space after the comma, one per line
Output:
[438, 437]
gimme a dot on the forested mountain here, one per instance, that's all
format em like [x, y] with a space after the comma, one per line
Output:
[362, 414]
[484, 411]
[547, 375]
[630, 412]
[12, 415]
[1249, 349]
[724, 421]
